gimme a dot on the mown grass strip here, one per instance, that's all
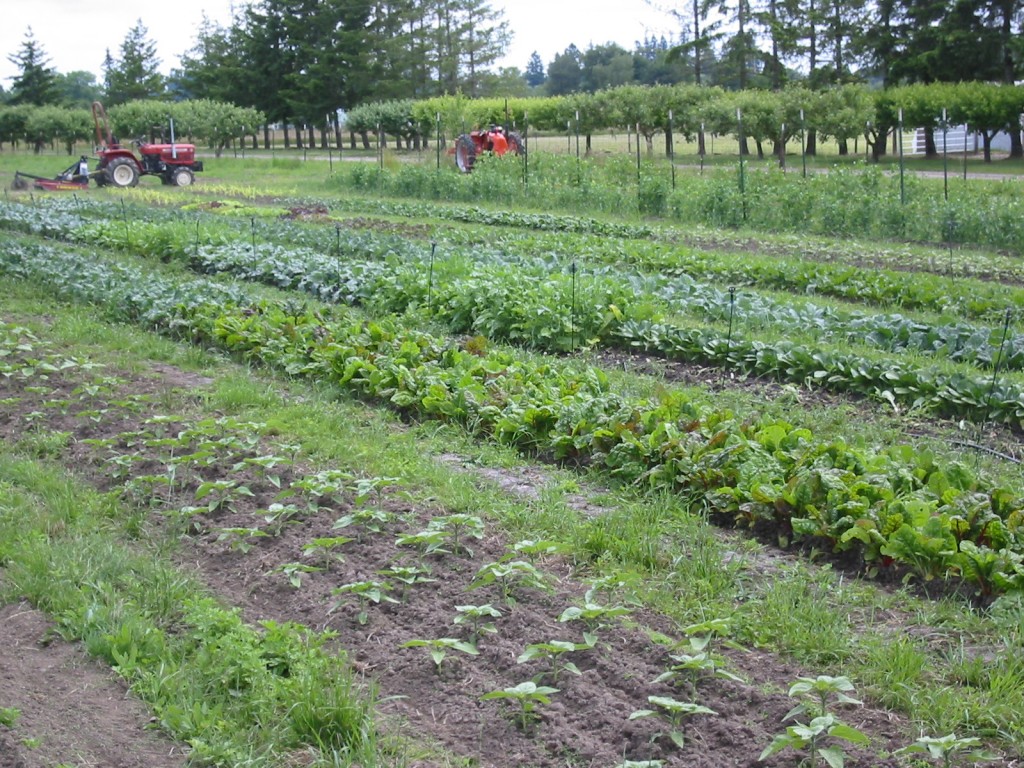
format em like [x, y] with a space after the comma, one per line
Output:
[236, 693]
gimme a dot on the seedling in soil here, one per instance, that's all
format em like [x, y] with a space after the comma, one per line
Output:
[703, 658]
[477, 617]
[949, 748]
[673, 712]
[240, 538]
[262, 466]
[816, 692]
[295, 572]
[458, 528]
[325, 550]
[812, 736]
[329, 484]
[368, 520]
[365, 593]
[595, 616]
[428, 542]
[509, 577]
[552, 652]
[528, 695]
[277, 516]
[9, 716]
[534, 550]
[439, 648]
[407, 576]
[220, 493]
[616, 584]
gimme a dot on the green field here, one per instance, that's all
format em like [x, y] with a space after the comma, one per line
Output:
[339, 463]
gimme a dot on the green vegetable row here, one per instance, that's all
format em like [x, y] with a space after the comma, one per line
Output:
[528, 302]
[896, 509]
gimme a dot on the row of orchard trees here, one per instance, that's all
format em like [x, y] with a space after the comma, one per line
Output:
[212, 123]
[767, 117]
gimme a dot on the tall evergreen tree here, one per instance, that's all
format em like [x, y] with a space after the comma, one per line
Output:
[535, 75]
[135, 74]
[36, 82]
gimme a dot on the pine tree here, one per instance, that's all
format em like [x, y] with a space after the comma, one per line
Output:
[37, 83]
[135, 75]
[535, 75]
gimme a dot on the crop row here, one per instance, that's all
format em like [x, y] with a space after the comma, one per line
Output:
[659, 253]
[895, 507]
[681, 295]
[535, 302]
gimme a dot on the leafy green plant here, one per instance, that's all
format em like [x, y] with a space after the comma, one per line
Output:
[366, 593]
[9, 716]
[325, 549]
[528, 696]
[673, 712]
[407, 576]
[702, 659]
[366, 520]
[594, 615]
[949, 749]
[477, 617]
[241, 539]
[812, 737]
[552, 652]
[816, 694]
[510, 576]
[438, 648]
[533, 550]
[295, 571]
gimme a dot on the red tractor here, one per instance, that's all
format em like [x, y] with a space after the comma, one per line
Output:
[496, 140]
[174, 163]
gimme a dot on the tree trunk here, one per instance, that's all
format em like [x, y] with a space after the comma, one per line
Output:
[760, 149]
[811, 147]
[930, 151]
[287, 140]
[844, 148]
[986, 138]
[266, 135]
[701, 147]
[589, 147]
[365, 135]
[352, 139]
[312, 138]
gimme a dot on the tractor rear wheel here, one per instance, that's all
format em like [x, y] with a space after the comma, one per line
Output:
[122, 172]
[465, 153]
[182, 177]
[516, 145]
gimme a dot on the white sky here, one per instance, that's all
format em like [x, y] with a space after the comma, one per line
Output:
[76, 33]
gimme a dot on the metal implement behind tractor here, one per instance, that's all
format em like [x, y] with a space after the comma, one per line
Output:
[118, 166]
[496, 140]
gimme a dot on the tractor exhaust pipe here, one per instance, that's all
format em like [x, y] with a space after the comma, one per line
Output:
[174, 147]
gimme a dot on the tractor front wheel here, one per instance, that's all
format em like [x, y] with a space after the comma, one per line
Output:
[182, 177]
[465, 153]
[122, 172]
